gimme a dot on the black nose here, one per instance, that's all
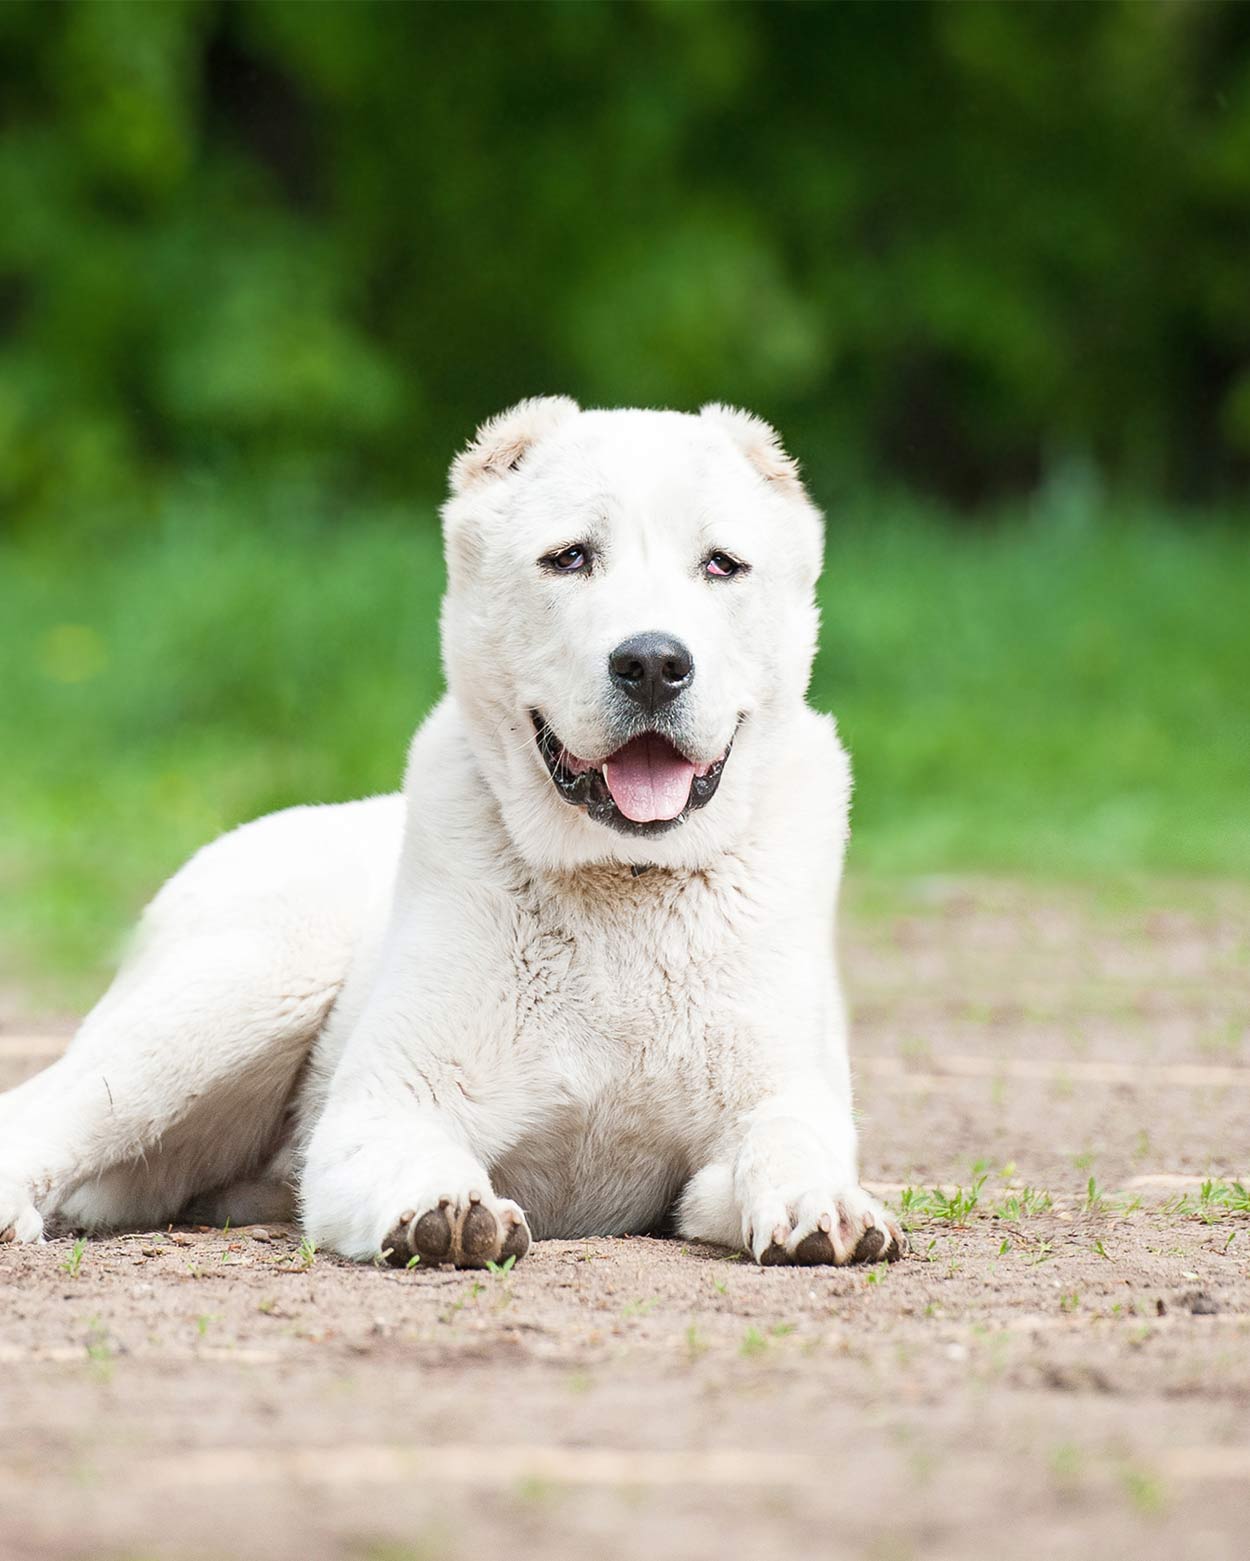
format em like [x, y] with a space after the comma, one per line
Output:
[651, 668]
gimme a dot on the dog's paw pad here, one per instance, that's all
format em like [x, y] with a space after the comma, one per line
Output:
[814, 1249]
[469, 1232]
[516, 1241]
[431, 1237]
[479, 1236]
[870, 1246]
[828, 1228]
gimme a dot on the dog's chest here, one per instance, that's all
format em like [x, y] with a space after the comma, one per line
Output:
[627, 1036]
[631, 974]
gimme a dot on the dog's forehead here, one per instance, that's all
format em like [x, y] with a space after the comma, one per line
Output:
[640, 462]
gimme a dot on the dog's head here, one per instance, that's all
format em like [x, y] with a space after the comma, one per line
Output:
[628, 624]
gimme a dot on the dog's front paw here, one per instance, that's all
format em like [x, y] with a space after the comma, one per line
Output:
[823, 1226]
[471, 1231]
[20, 1220]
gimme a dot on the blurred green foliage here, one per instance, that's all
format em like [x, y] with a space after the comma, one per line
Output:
[972, 247]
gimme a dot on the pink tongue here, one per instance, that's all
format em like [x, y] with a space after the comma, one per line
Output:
[649, 779]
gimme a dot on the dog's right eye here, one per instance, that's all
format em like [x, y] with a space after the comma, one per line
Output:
[568, 560]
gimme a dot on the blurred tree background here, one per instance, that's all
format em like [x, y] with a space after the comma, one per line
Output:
[967, 247]
[264, 265]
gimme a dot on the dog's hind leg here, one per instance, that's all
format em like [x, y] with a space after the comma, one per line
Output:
[181, 1078]
[270, 1196]
[176, 1084]
[143, 1193]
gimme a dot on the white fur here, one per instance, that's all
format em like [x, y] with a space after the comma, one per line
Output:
[465, 997]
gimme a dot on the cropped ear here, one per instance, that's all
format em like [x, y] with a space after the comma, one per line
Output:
[502, 442]
[760, 443]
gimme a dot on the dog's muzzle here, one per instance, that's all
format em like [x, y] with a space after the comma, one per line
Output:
[645, 787]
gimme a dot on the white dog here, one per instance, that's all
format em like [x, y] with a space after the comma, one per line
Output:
[579, 978]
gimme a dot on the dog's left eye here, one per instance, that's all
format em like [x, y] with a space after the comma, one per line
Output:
[721, 566]
[568, 560]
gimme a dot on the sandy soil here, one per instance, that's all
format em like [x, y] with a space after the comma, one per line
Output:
[1057, 1370]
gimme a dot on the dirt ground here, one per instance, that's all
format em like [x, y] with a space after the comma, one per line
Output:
[1061, 1368]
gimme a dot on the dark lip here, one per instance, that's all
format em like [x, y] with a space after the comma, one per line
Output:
[589, 790]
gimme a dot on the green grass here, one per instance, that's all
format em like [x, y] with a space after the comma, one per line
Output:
[1043, 696]
[936, 1204]
[1046, 697]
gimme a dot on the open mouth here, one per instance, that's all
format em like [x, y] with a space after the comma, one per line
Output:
[647, 786]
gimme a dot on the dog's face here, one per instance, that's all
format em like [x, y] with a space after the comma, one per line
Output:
[629, 621]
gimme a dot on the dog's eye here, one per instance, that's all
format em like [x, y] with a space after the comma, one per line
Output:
[568, 560]
[721, 566]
